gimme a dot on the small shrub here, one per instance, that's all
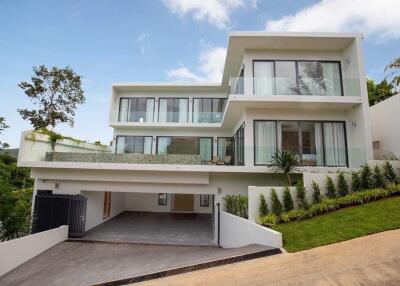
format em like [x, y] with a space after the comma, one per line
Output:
[301, 198]
[389, 173]
[237, 205]
[343, 187]
[263, 209]
[379, 181]
[366, 178]
[330, 188]
[276, 203]
[269, 220]
[356, 182]
[316, 193]
[287, 200]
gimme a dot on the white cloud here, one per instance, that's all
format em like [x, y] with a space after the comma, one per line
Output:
[143, 40]
[372, 17]
[211, 64]
[216, 12]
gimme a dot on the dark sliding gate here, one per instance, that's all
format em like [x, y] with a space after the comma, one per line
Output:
[53, 210]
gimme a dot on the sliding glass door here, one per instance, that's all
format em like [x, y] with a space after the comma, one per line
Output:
[208, 110]
[225, 149]
[202, 146]
[134, 144]
[317, 143]
[138, 109]
[173, 110]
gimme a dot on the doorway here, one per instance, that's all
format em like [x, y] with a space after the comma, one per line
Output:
[183, 202]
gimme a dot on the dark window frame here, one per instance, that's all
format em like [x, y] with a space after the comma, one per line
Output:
[300, 146]
[116, 142]
[160, 201]
[126, 97]
[297, 71]
[158, 111]
[240, 157]
[212, 98]
[201, 202]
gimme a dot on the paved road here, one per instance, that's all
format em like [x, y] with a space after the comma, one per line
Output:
[370, 260]
[77, 263]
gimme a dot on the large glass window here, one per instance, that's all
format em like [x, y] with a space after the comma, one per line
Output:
[264, 141]
[138, 109]
[173, 110]
[208, 110]
[317, 143]
[134, 144]
[239, 146]
[225, 149]
[186, 145]
[297, 77]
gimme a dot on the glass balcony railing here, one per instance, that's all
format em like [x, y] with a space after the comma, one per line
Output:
[207, 117]
[272, 86]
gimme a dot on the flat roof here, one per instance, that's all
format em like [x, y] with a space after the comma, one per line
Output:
[240, 41]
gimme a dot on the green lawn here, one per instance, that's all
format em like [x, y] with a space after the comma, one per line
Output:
[341, 225]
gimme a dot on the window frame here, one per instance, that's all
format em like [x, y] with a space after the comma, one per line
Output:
[160, 200]
[158, 109]
[300, 130]
[233, 147]
[208, 201]
[297, 71]
[129, 98]
[212, 98]
[144, 136]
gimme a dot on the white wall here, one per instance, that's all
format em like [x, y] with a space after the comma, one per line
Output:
[17, 251]
[238, 232]
[254, 198]
[385, 120]
[33, 147]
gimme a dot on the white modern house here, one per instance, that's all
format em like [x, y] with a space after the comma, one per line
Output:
[180, 148]
[385, 123]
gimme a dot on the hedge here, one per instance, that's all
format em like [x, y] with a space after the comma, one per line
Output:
[329, 205]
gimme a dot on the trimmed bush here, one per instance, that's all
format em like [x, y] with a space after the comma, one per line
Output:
[276, 207]
[237, 205]
[301, 198]
[378, 180]
[356, 182]
[287, 200]
[330, 188]
[389, 173]
[269, 220]
[263, 209]
[366, 178]
[316, 193]
[330, 205]
[343, 187]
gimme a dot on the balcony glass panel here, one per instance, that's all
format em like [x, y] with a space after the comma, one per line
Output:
[134, 144]
[173, 110]
[136, 110]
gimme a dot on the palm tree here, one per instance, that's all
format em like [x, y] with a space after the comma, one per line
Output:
[285, 161]
[394, 73]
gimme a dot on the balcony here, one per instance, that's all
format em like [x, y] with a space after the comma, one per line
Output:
[290, 86]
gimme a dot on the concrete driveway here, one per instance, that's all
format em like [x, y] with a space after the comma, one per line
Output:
[156, 228]
[369, 260]
[78, 263]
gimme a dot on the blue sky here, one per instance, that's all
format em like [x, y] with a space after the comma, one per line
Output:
[160, 40]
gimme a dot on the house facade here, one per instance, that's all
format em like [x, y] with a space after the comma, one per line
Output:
[180, 148]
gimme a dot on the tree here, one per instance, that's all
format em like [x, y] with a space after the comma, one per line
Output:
[379, 92]
[389, 173]
[263, 209]
[3, 126]
[356, 182]
[285, 161]
[287, 200]
[316, 192]
[56, 93]
[366, 178]
[393, 70]
[343, 187]
[276, 205]
[330, 188]
[379, 181]
[301, 198]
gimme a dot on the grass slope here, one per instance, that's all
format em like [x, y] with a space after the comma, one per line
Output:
[341, 225]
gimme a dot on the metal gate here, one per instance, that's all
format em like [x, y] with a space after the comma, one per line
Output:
[53, 210]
